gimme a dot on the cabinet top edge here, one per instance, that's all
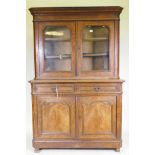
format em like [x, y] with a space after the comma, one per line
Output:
[57, 10]
[78, 81]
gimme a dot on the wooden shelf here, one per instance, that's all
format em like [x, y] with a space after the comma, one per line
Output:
[57, 39]
[65, 56]
[95, 54]
[95, 39]
[61, 56]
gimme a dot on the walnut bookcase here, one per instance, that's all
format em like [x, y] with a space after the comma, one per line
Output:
[76, 92]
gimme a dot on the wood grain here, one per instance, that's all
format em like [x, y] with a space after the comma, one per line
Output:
[76, 108]
[97, 117]
[56, 116]
[75, 13]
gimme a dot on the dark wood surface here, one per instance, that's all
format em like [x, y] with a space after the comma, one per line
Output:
[76, 109]
[76, 13]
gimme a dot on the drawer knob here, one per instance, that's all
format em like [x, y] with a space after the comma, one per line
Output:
[97, 89]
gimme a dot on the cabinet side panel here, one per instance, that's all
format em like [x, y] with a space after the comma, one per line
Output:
[34, 116]
[119, 116]
[116, 49]
[36, 49]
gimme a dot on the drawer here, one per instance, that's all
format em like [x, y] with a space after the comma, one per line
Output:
[98, 88]
[53, 88]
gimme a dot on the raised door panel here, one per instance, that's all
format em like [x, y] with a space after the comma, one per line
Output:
[56, 52]
[97, 117]
[96, 49]
[56, 117]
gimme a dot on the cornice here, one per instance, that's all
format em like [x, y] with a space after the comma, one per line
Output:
[75, 10]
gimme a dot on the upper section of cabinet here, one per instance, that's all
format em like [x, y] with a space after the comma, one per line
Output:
[80, 42]
[76, 13]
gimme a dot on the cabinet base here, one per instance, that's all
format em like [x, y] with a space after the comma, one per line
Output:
[117, 149]
[36, 150]
[77, 144]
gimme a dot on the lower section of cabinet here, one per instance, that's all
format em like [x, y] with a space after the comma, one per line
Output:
[77, 119]
[38, 144]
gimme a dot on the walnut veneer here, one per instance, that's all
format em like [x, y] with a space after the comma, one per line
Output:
[76, 92]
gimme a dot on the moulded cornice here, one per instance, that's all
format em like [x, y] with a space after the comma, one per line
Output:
[75, 10]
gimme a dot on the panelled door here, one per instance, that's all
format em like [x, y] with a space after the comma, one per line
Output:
[95, 48]
[56, 117]
[56, 50]
[96, 117]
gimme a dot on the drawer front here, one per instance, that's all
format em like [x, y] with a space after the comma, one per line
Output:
[53, 88]
[98, 88]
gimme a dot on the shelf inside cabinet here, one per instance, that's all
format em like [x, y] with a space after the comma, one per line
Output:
[95, 54]
[64, 56]
[57, 39]
[61, 56]
[95, 39]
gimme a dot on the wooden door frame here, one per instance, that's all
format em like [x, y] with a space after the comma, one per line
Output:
[40, 52]
[104, 74]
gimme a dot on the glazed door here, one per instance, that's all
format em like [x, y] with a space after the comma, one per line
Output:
[56, 50]
[56, 117]
[96, 49]
[96, 117]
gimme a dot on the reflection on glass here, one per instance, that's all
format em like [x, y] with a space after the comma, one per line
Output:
[57, 48]
[95, 48]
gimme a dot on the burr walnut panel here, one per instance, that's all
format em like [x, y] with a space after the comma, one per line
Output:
[56, 117]
[97, 117]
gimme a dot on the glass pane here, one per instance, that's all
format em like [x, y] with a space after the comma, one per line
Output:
[95, 48]
[57, 48]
